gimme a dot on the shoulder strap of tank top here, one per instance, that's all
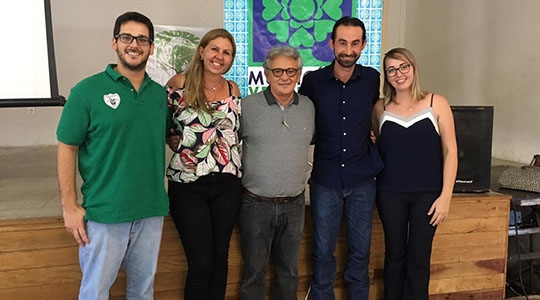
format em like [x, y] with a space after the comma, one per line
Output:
[431, 104]
[230, 88]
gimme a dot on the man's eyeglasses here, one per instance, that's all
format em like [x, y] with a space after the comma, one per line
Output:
[127, 38]
[403, 69]
[278, 72]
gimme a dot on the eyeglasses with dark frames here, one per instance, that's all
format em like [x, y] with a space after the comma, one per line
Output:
[277, 72]
[127, 38]
[403, 69]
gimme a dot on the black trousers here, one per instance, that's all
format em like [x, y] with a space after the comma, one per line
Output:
[408, 239]
[204, 213]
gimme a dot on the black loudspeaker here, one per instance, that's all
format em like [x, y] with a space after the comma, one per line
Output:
[474, 131]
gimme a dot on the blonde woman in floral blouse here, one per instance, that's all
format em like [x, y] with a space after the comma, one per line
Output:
[204, 172]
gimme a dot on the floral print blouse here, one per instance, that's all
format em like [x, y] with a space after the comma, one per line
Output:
[209, 141]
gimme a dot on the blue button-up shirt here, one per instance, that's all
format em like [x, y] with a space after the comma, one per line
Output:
[344, 154]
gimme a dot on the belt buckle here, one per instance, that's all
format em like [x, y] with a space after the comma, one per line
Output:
[280, 200]
[276, 200]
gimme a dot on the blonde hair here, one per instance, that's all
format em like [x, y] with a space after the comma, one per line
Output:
[405, 55]
[193, 86]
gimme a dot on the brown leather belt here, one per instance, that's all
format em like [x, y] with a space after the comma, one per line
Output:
[277, 200]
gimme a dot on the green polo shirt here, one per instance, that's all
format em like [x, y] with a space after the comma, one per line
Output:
[121, 137]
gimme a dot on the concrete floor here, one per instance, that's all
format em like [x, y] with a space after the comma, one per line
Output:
[28, 185]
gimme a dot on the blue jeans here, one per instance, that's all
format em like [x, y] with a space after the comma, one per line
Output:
[134, 246]
[267, 228]
[328, 204]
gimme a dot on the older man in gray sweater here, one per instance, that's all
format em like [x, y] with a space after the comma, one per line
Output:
[277, 128]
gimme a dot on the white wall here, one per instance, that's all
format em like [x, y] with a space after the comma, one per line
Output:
[481, 52]
[82, 39]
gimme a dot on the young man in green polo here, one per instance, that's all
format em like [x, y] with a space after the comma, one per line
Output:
[114, 125]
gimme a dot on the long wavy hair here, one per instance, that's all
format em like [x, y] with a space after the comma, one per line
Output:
[193, 86]
[405, 55]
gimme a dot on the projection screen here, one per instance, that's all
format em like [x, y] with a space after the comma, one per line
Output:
[28, 73]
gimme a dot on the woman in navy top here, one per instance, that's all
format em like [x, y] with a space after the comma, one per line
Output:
[415, 135]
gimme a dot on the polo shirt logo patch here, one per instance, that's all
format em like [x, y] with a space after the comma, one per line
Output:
[112, 100]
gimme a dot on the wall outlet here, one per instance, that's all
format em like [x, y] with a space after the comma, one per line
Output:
[31, 111]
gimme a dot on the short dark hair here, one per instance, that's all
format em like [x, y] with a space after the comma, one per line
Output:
[349, 21]
[136, 17]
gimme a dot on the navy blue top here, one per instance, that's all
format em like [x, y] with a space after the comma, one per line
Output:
[412, 153]
[344, 154]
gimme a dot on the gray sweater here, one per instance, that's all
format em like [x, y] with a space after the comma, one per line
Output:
[275, 144]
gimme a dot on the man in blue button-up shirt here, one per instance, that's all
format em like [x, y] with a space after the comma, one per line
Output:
[345, 160]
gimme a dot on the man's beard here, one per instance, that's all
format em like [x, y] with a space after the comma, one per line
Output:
[132, 67]
[347, 63]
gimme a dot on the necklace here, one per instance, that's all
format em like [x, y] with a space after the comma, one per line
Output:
[214, 87]
[212, 93]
